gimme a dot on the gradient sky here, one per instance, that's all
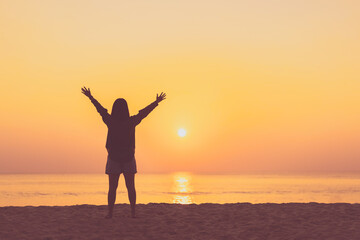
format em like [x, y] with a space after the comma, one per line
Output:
[261, 86]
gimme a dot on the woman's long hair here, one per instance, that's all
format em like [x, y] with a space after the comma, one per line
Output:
[120, 109]
[120, 129]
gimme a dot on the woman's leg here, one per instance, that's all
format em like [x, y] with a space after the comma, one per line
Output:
[130, 185]
[113, 184]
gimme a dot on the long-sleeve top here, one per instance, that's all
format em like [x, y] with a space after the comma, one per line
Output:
[121, 134]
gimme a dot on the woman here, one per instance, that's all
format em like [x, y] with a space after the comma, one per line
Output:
[120, 144]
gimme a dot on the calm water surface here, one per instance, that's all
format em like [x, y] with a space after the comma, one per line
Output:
[183, 188]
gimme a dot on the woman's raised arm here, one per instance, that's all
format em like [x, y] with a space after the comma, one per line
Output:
[145, 111]
[103, 111]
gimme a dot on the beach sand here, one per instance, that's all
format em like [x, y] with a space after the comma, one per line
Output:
[173, 221]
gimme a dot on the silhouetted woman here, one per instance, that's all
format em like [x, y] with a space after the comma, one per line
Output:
[120, 144]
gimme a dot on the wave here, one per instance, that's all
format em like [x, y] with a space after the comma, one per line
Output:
[32, 194]
[9, 194]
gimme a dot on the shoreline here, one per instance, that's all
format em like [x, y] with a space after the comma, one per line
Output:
[191, 221]
[179, 204]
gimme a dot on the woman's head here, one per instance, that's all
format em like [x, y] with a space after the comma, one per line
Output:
[120, 109]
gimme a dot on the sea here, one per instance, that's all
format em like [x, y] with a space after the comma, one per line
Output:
[178, 188]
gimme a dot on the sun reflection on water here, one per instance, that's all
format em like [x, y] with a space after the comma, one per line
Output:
[182, 188]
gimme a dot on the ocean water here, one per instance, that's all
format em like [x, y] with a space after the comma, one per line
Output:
[182, 188]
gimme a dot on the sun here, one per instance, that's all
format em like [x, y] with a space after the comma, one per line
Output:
[181, 132]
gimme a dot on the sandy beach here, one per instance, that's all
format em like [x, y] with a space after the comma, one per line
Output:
[172, 221]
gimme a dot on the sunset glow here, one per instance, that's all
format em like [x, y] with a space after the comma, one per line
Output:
[259, 86]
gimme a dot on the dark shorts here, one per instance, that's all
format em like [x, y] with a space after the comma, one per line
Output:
[116, 167]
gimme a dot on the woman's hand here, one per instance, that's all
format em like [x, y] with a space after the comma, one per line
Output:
[161, 97]
[86, 92]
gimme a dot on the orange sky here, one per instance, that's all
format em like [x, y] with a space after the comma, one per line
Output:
[260, 86]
